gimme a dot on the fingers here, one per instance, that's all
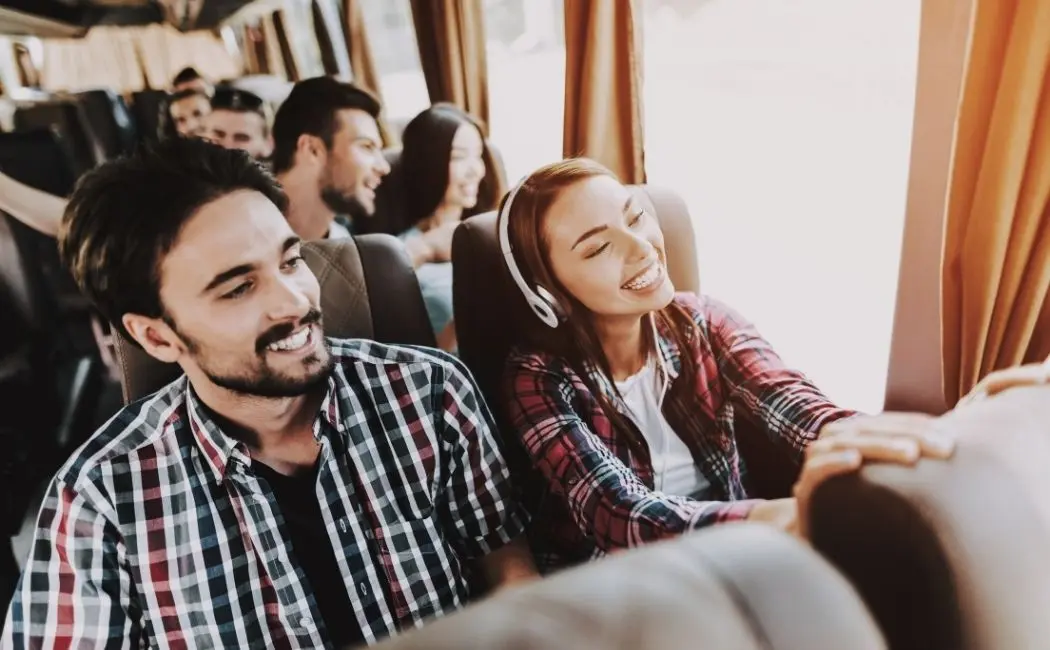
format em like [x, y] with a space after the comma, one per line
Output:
[887, 449]
[821, 467]
[921, 430]
[997, 382]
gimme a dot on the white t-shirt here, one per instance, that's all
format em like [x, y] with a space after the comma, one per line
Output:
[674, 471]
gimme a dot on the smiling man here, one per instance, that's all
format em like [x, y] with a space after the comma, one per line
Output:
[328, 155]
[288, 491]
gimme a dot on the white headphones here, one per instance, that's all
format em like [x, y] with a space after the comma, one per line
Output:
[543, 304]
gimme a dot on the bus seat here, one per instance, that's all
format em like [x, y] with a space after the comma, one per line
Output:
[741, 586]
[67, 117]
[368, 290]
[391, 210]
[110, 121]
[951, 555]
[37, 158]
[150, 111]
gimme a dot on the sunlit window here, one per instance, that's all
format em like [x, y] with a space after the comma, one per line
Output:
[526, 65]
[787, 127]
[302, 38]
[392, 38]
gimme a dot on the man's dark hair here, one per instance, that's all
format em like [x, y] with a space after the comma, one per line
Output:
[125, 215]
[186, 75]
[311, 109]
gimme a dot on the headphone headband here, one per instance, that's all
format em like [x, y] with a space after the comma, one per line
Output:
[540, 300]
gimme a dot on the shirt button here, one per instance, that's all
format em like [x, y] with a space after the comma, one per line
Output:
[364, 588]
[342, 525]
[369, 534]
[306, 622]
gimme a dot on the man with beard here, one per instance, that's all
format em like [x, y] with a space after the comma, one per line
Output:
[328, 155]
[290, 490]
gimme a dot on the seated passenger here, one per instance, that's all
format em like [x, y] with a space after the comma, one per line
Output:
[187, 110]
[328, 155]
[239, 120]
[626, 395]
[272, 496]
[443, 164]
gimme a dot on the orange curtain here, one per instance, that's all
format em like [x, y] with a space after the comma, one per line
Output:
[997, 242]
[361, 61]
[451, 39]
[280, 28]
[272, 45]
[603, 103]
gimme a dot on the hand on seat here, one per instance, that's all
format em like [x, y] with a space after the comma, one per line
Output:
[843, 447]
[1032, 374]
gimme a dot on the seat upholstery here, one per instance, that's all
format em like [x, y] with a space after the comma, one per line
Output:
[110, 121]
[149, 110]
[739, 586]
[489, 307]
[39, 159]
[952, 555]
[67, 118]
[368, 290]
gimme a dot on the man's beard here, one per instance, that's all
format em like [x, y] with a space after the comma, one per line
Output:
[344, 204]
[260, 380]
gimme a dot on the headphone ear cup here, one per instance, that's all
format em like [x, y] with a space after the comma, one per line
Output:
[552, 301]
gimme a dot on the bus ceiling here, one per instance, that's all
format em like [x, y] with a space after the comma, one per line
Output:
[72, 18]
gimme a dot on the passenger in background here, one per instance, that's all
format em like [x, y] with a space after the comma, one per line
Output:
[188, 110]
[443, 165]
[266, 491]
[240, 120]
[627, 396]
[189, 79]
[328, 155]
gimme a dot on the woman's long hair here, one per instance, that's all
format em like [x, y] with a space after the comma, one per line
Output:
[425, 156]
[576, 338]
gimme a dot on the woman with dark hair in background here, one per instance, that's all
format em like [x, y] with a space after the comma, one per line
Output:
[447, 171]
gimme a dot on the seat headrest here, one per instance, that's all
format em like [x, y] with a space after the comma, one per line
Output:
[740, 586]
[109, 120]
[38, 159]
[952, 554]
[488, 306]
[368, 290]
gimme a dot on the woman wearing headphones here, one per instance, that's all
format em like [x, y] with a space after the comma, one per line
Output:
[626, 395]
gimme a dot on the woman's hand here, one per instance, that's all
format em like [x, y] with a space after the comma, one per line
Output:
[846, 445]
[1032, 374]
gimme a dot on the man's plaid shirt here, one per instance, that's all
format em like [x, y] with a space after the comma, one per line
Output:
[157, 533]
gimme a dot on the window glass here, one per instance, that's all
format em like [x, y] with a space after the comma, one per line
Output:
[786, 126]
[392, 38]
[526, 66]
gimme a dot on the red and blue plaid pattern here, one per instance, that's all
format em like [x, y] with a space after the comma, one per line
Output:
[598, 495]
[157, 533]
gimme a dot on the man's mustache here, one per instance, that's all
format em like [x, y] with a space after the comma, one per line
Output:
[284, 330]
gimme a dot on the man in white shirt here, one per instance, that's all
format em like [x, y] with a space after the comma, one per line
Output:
[328, 155]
